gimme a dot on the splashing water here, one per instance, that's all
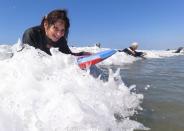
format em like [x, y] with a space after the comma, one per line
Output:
[51, 93]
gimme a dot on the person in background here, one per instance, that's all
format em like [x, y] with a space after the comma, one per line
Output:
[98, 45]
[132, 51]
[52, 32]
[179, 50]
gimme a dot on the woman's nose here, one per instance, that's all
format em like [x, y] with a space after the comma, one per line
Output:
[59, 33]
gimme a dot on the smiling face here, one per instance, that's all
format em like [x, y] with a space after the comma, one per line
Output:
[55, 31]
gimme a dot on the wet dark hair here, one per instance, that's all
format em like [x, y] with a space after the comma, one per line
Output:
[56, 15]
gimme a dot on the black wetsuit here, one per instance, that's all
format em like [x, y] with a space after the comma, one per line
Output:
[131, 52]
[36, 37]
[179, 50]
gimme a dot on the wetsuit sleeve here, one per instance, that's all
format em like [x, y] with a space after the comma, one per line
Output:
[138, 54]
[29, 38]
[66, 50]
[127, 51]
[78, 54]
[120, 50]
[63, 47]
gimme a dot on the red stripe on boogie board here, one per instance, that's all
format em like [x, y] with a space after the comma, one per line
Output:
[89, 63]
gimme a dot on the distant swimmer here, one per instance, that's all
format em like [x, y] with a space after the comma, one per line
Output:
[98, 45]
[179, 50]
[132, 51]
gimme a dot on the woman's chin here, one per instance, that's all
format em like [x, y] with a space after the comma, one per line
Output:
[55, 40]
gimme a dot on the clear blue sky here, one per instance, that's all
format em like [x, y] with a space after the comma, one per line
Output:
[154, 24]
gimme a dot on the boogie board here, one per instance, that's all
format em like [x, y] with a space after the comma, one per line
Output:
[87, 61]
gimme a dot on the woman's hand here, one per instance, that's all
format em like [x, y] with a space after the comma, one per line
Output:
[87, 53]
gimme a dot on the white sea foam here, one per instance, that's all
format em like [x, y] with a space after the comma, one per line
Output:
[51, 93]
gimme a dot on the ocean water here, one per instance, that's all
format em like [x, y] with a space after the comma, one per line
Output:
[161, 81]
[51, 93]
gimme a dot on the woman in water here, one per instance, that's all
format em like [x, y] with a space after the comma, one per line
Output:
[52, 32]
